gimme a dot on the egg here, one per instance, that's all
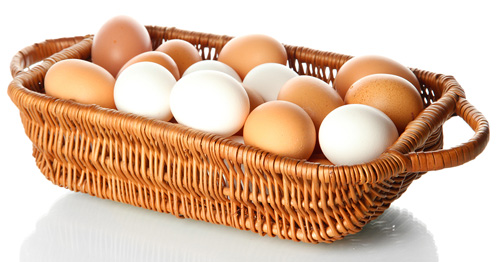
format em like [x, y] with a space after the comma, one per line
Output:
[183, 53]
[393, 95]
[245, 52]
[80, 81]
[155, 57]
[319, 158]
[356, 134]
[267, 79]
[282, 128]
[364, 65]
[237, 139]
[255, 101]
[144, 89]
[210, 101]
[315, 96]
[212, 65]
[117, 41]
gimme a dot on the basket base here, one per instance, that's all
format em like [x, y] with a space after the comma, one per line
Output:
[226, 212]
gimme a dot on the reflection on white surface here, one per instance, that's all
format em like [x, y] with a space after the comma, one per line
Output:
[80, 227]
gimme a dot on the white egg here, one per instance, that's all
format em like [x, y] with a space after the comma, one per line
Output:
[144, 89]
[212, 65]
[238, 139]
[267, 79]
[356, 134]
[210, 101]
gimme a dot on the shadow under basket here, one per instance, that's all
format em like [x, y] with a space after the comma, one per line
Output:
[174, 169]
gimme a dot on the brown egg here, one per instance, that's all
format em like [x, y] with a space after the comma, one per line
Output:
[255, 101]
[315, 96]
[80, 81]
[117, 41]
[282, 128]
[320, 158]
[245, 52]
[360, 66]
[155, 57]
[393, 95]
[254, 97]
[183, 53]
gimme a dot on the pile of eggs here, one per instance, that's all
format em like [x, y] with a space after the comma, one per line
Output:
[248, 94]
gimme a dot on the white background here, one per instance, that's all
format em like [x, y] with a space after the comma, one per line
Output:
[448, 215]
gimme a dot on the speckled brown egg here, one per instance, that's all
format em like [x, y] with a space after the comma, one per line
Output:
[360, 66]
[183, 53]
[117, 41]
[393, 95]
[245, 52]
[282, 128]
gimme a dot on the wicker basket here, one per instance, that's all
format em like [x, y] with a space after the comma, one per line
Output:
[170, 168]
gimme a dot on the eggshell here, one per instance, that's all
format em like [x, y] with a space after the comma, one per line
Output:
[183, 53]
[144, 89]
[210, 101]
[254, 97]
[320, 158]
[282, 128]
[356, 134]
[255, 101]
[80, 81]
[391, 94]
[155, 57]
[360, 66]
[237, 139]
[315, 96]
[117, 41]
[267, 79]
[245, 52]
[212, 65]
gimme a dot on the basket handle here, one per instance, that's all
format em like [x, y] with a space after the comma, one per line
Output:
[455, 156]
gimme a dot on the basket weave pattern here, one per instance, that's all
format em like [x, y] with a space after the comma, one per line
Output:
[174, 169]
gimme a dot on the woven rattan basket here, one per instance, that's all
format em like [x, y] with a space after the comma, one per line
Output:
[170, 168]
